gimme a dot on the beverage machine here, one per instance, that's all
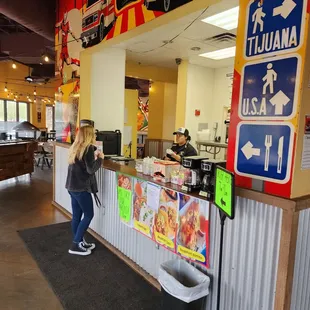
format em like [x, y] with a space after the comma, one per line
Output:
[193, 176]
[208, 180]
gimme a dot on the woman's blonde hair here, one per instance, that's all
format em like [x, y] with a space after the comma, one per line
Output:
[84, 138]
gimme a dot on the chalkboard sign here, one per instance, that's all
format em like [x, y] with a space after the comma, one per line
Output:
[225, 191]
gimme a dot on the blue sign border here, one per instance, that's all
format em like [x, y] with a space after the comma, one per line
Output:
[275, 53]
[290, 153]
[296, 94]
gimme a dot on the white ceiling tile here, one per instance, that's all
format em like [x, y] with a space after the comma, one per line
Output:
[148, 48]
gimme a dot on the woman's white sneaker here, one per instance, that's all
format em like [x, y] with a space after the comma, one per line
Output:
[79, 249]
[88, 246]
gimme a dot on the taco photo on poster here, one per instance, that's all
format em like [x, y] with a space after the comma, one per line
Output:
[193, 231]
[166, 218]
[164, 5]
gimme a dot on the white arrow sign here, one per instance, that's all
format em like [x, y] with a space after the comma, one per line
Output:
[285, 9]
[249, 151]
[279, 100]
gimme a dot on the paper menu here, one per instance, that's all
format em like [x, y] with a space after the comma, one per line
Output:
[143, 215]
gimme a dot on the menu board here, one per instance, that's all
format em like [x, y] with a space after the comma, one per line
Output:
[166, 218]
[143, 214]
[124, 197]
[193, 229]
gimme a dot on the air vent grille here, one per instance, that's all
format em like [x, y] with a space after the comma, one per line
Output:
[226, 37]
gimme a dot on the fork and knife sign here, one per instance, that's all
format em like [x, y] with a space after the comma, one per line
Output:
[268, 145]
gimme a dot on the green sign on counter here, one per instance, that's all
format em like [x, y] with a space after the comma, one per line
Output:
[124, 203]
[224, 191]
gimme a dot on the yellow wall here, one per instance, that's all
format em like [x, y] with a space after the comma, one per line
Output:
[156, 110]
[16, 84]
[131, 104]
[151, 72]
[132, 69]
[170, 102]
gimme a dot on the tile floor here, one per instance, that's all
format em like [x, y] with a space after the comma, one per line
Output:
[25, 202]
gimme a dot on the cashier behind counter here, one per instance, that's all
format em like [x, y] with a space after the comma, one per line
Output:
[182, 147]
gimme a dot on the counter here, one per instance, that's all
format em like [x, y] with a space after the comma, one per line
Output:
[265, 246]
[16, 158]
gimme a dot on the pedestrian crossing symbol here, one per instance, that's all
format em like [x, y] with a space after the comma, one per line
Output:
[274, 27]
[269, 89]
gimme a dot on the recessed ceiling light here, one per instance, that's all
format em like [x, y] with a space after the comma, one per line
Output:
[221, 54]
[196, 48]
[226, 20]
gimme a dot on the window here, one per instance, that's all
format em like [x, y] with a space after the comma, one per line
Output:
[22, 111]
[12, 113]
[11, 110]
[1, 110]
[50, 119]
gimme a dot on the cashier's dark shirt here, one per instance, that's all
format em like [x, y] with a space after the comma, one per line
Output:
[183, 150]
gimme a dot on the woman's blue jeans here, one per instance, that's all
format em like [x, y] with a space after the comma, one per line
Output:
[82, 204]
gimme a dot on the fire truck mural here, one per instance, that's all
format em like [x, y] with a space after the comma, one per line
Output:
[84, 23]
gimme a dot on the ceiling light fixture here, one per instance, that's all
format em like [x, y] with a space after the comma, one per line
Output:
[226, 20]
[46, 58]
[221, 54]
[35, 100]
[195, 48]
[6, 87]
[29, 79]
[35, 91]
[14, 65]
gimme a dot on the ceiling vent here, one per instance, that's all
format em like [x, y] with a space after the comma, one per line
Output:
[226, 37]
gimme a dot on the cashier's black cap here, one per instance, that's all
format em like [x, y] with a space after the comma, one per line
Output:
[182, 131]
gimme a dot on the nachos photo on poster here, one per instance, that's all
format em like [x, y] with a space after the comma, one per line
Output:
[143, 215]
[124, 181]
[193, 232]
[166, 218]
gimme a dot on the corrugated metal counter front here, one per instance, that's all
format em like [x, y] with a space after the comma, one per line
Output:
[251, 242]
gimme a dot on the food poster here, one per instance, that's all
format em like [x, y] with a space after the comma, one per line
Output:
[166, 218]
[124, 197]
[143, 114]
[143, 215]
[193, 230]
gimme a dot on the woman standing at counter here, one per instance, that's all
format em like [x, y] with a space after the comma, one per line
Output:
[84, 161]
[182, 147]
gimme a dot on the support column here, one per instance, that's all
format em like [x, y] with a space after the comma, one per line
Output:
[108, 89]
[85, 86]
